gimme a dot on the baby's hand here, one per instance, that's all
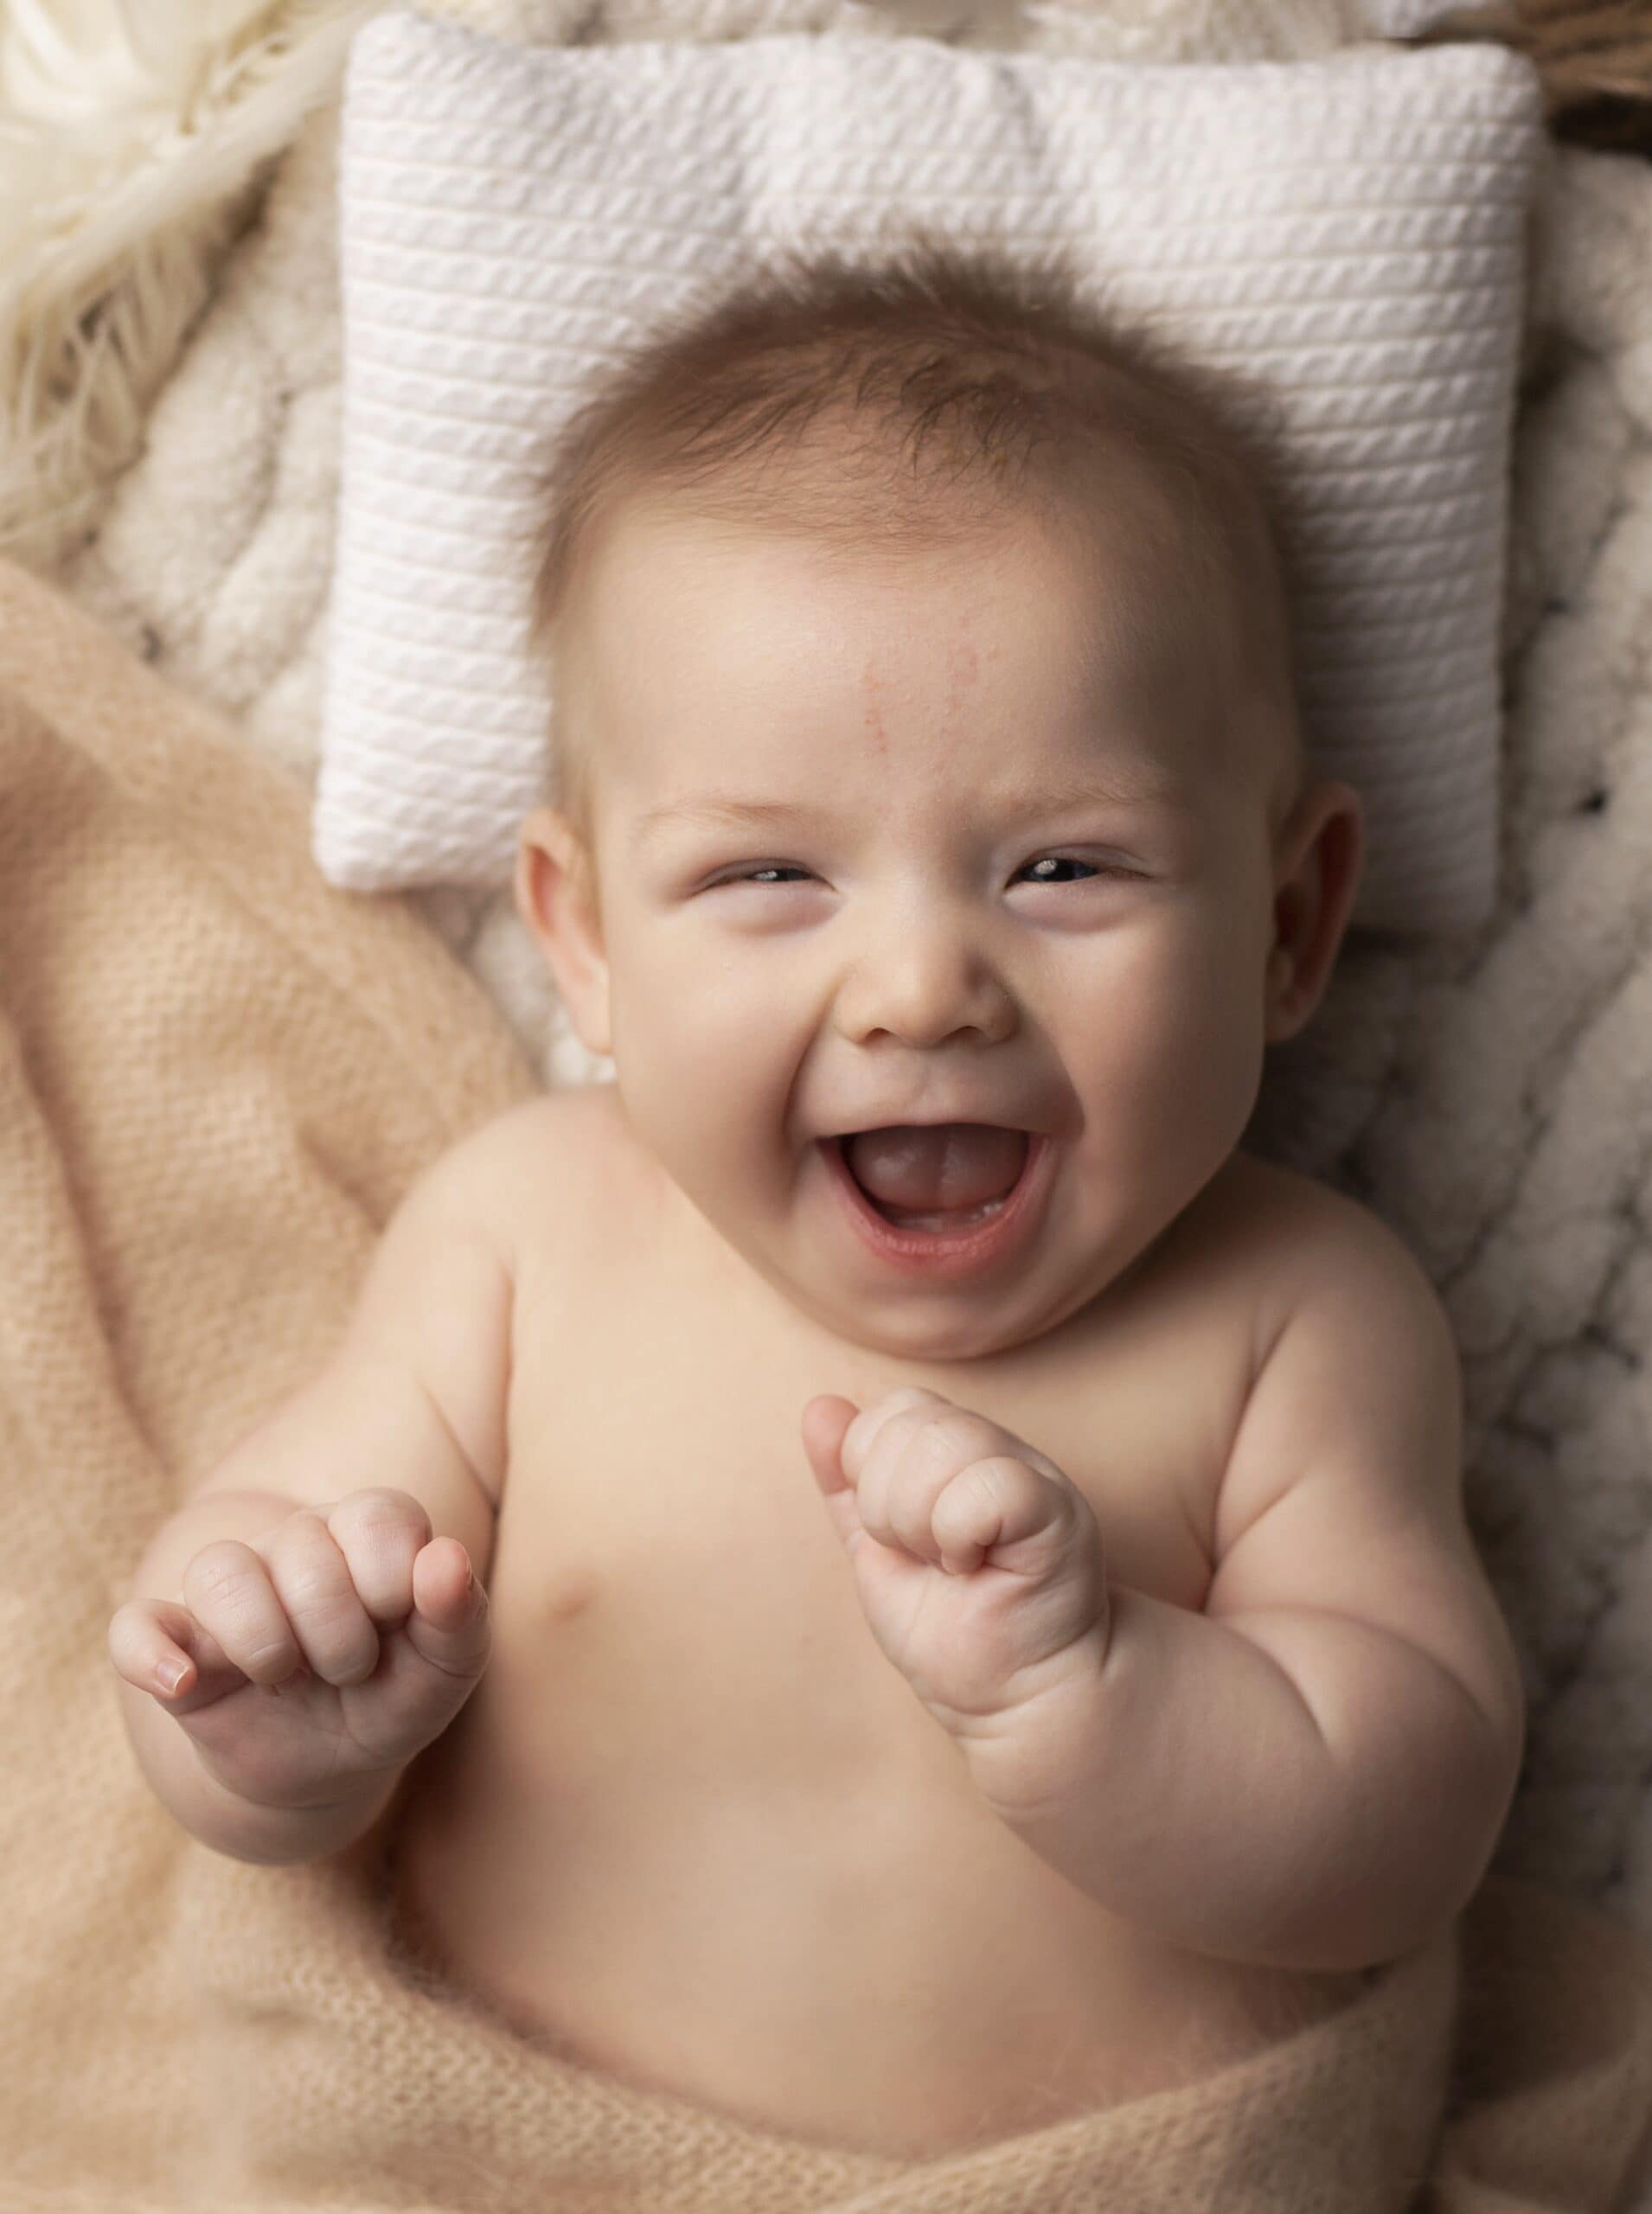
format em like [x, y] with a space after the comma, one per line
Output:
[333, 1649]
[979, 1564]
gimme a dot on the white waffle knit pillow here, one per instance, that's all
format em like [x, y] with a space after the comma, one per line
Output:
[1348, 232]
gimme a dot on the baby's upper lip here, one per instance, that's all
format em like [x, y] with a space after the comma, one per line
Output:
[909, 1118]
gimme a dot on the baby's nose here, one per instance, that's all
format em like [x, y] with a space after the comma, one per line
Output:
[923, 983]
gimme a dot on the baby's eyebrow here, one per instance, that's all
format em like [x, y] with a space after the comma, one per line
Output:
[727, 810]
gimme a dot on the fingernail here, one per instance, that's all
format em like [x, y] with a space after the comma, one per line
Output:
[172, 1674]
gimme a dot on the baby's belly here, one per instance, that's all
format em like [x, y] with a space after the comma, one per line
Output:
[871, 1961]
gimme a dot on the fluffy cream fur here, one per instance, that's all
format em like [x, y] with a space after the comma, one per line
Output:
[133, 137]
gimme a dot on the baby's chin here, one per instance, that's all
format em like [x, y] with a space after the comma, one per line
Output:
[934, 1343]
[924, 1324]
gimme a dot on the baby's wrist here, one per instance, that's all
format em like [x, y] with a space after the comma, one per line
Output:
[1051, 1709]
[247, 1829]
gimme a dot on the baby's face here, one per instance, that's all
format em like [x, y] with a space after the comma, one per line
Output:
[907, 840]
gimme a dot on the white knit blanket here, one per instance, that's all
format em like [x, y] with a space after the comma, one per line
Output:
[1485, 1095]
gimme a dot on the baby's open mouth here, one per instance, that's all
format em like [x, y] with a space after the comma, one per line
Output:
[935, 1176]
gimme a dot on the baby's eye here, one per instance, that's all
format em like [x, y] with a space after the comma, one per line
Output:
[1068, 861]
[767, 873]
[772, 872]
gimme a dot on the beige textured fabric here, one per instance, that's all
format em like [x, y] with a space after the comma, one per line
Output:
[216, 1076]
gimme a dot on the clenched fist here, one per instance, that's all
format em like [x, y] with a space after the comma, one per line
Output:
[331, 1649]
[978, 1563]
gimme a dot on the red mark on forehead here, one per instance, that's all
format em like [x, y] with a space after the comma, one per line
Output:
[874, 728]
[964, 669]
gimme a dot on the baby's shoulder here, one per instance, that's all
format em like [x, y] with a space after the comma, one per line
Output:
[520, 1172]
[1313, 1242]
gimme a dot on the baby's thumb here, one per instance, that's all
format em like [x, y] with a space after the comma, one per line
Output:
[451, 1626]
[825, 1424]
[826, 1421]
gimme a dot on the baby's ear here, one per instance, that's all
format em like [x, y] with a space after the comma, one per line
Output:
[556, 897]
[1318, 858]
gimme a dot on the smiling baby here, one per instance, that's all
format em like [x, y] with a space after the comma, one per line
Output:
[878, 1572]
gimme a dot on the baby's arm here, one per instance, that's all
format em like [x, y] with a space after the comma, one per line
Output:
[1313, 1773]
[412, 1400]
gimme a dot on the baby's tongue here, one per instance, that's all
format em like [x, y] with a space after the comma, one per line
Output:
[936, 1165]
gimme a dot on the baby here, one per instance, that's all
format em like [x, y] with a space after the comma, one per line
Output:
[878, 1573]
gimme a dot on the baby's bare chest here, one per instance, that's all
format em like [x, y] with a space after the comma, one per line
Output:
[663, 1545]
[692, 1817]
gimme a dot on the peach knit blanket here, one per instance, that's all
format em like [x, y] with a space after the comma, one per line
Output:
[216, 1077]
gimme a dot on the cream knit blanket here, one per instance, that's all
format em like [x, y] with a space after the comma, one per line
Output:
[216, 1075]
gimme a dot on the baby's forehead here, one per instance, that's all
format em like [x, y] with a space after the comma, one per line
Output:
[1120, 571]
[768, 621]
[1113, 590]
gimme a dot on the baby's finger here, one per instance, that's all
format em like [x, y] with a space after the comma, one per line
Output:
[1000, 1505]
[380, 1532]
[156, 1645]
[226, 1588]
[862, 1433]
[883, 1469]
[144, 1650]
[431, 1667]
[927, 1448]
[312, 1582]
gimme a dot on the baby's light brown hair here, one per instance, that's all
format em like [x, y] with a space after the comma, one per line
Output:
[915, 400]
